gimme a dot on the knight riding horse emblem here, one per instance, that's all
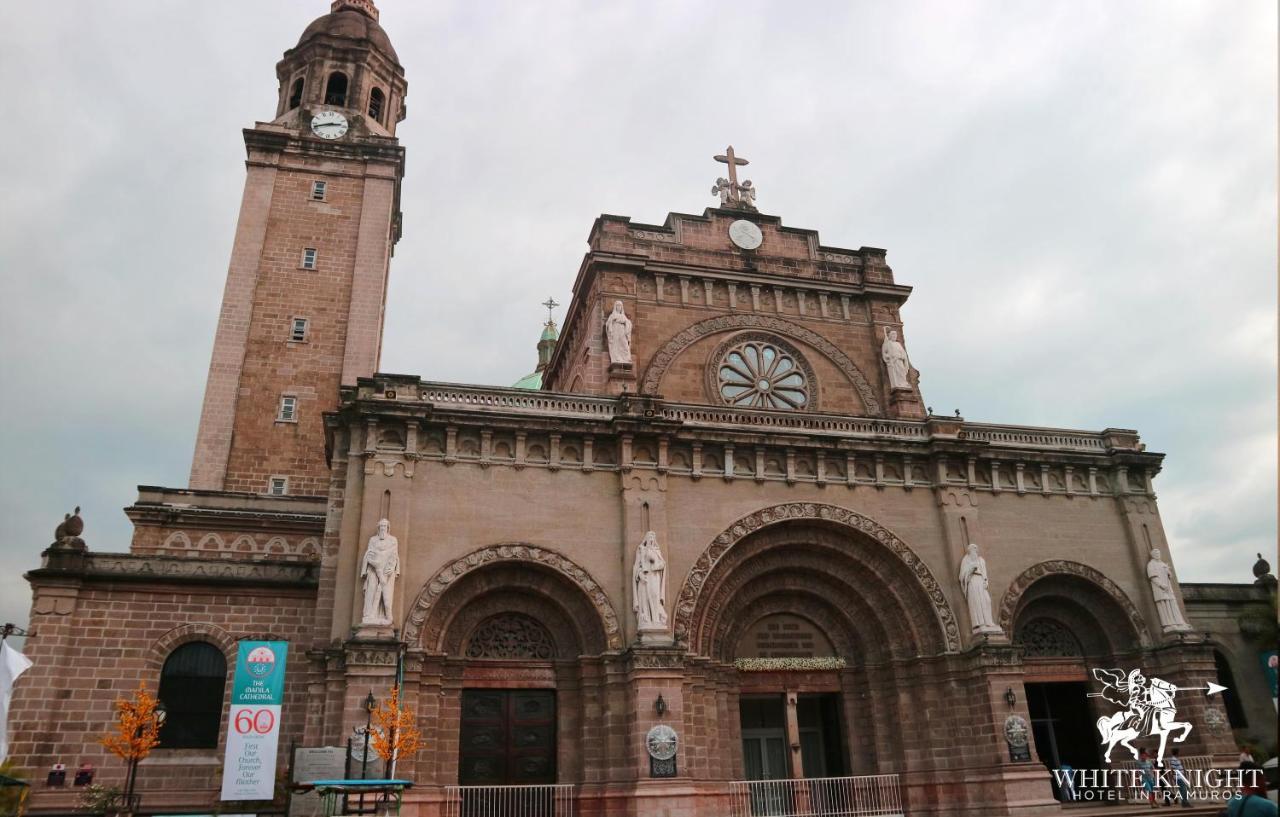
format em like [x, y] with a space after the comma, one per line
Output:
[1149, 710]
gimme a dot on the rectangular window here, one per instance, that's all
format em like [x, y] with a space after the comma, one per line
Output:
[298, 331]
[318, 190]
[288, 409]
[309, 258]
[278, 486]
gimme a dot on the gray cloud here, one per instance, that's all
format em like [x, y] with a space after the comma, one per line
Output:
[1083, 195]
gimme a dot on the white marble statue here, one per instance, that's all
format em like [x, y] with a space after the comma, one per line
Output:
[747, 194]
[724, 190]
[379, 568]
[895, 359]
[1161, 578]
[617, 331]
[973, 580]
[649, 585]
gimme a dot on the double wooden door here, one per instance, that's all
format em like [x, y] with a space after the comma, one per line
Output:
[508, 737]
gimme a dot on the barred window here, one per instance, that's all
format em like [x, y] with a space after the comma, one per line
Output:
[298, 330]
[309, 258]
[295, 98]
[288, 409]
[335, 92]
[318, 189]
[191, 687]
[278, 486]
[377, 101]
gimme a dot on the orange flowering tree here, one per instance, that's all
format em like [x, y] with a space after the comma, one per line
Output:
[396, 735]
[137, 732]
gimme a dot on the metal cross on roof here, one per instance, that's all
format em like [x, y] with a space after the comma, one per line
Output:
[550, 304]
[733, 162]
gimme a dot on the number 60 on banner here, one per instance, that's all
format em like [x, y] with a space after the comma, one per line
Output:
[254, 721]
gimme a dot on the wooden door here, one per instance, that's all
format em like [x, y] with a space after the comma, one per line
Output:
[508, 737]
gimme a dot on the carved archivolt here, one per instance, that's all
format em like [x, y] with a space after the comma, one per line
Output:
[690, 592]
[496, 554]
[1062, 567]
[187, 633]
[724, 323]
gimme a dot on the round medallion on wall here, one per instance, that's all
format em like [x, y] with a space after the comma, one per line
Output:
[1016, 731]
[745, 234]
[662, 742]
[758, 370]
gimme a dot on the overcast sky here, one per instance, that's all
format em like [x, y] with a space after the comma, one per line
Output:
[1083, 195]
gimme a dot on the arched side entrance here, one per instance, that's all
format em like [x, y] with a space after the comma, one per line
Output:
[1069, 619]
[511, 638]
[816, 614]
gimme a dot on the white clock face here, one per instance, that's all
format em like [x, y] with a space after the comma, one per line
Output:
[745, 234]
[329, 125]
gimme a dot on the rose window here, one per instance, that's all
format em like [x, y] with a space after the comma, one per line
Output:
[757, 374]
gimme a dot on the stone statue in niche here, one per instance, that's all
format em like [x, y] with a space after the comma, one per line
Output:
[973, 580]
[1161, 578]
[649, 585]
[617, 331]
[379, 569]
[894, 355]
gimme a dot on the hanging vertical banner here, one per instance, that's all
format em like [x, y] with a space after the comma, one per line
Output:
[253, 723]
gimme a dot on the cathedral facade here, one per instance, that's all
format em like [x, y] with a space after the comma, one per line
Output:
[724, 508]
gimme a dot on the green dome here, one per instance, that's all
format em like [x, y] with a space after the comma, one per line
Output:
[529, 381]
[546, 345]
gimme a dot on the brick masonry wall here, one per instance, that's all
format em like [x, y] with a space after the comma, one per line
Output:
[662, 304]
[93, 645]
[241, 443]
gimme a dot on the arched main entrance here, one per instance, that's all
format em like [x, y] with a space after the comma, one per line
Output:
[512, 636]
[816, 613]
[1068, 619]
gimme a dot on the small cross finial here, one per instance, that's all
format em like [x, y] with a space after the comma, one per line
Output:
[550, 304]
[732, 193]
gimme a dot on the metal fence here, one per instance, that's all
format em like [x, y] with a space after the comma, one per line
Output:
[864, 796]
[509, 801]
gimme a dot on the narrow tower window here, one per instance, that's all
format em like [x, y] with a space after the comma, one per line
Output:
[288, 409]
[376, 103]
[309, 258]
[318, 189]
[278, 486]
[298, 331]
[295, 98]
[335, 93]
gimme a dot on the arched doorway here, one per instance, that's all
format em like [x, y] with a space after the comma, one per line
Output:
[1067, 622]
[815, 612]
[515, 632]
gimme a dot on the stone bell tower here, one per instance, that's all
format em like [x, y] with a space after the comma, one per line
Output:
[302, 310]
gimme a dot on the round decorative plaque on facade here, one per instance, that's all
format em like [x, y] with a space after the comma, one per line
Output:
[761, 374]
[662, 742]
[745, 234]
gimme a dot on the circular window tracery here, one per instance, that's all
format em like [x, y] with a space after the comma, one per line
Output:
[762, 374]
